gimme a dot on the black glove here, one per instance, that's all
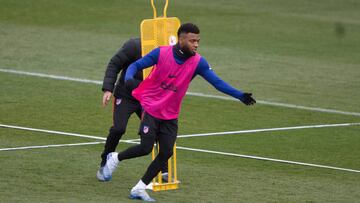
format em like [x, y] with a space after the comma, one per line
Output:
[132, 84]
[247, 99]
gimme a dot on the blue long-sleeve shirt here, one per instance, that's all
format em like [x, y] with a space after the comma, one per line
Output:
[202, 69]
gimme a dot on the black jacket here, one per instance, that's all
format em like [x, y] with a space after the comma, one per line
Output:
[127, 54]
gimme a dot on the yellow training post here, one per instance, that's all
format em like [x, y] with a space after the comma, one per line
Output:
[160, 31]
[171, 183]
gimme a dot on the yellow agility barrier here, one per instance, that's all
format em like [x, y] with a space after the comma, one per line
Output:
[156, 32]
[171, 183]
[159, 31]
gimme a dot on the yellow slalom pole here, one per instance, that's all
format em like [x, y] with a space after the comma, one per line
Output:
[160, 174]
[174, 158]
[170, 170]
[153, 157]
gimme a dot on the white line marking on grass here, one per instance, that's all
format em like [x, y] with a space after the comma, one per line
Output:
[258, 158]
[265, 130]
[50, 146]
[52, 132]
[268, 159]
[57, 77]
[190, 135]
[271, 129]
[98, 82]
[292, 106]
[196, 150]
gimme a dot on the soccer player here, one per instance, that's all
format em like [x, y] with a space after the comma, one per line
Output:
[124, 103]
[161, 95]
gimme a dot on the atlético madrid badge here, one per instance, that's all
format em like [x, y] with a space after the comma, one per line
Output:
[172, 40]
[145, 129]
[118, 101]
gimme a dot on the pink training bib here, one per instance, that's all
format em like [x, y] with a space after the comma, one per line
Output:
[162, 92]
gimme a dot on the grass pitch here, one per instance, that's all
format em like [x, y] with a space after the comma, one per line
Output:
[298, 52]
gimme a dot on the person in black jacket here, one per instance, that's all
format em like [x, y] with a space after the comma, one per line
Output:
[124, 103]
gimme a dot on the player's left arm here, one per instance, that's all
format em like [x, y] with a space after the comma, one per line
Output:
[148, 60]
[209, 75]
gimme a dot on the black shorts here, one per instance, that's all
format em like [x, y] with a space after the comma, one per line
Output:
[162, 131]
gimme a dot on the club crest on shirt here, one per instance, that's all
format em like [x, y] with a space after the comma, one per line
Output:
[145, 129]
[118, 101]
[172, 40]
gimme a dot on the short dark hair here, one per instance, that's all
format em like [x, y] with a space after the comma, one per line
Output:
[188, 28]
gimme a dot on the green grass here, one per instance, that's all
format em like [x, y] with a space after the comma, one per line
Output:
[283, 51]
[67, 174]
[297, 52]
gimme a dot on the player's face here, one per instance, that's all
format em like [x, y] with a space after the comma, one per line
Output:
[189, 42]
